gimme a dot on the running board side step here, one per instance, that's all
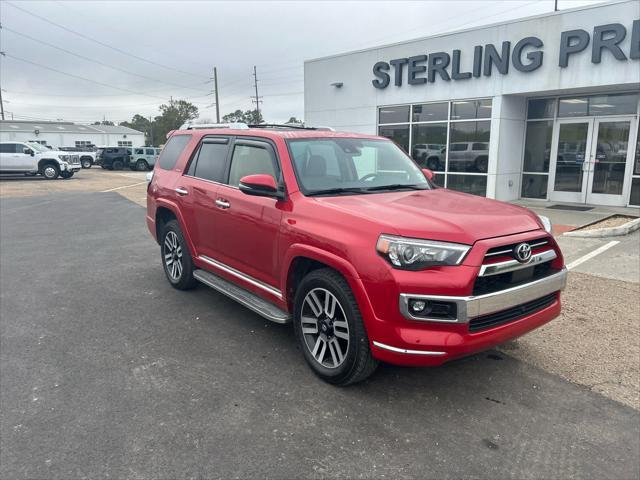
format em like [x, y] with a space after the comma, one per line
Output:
[250, 300]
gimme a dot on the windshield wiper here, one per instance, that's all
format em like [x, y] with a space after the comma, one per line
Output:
[397, 186]
[331, 191]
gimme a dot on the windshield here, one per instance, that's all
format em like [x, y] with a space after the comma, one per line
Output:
[37, 147]
[336, 166]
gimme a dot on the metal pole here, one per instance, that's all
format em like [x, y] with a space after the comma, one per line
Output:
[555, 6]
[1, 105]
[150, 132]
[255, 82]
[215, 86]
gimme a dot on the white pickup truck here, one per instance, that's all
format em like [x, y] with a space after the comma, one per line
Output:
[31, 158]
[87, 157]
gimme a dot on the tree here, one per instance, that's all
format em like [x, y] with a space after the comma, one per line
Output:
[141, 124]
[104, 122]
[294, 120]
[248, 116]
[172, 116]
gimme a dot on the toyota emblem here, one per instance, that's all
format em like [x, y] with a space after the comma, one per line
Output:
[523, 252]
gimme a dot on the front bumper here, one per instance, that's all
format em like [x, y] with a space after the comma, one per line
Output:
[475, 306]
[70, 167]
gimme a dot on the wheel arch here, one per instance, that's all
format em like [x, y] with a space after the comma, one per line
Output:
[303, 259]
[165, 212]
[46, 161]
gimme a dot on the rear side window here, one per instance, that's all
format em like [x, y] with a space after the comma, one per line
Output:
[149, 151]
[250, 160]
[8, 148]
[211, 161]
[172, 151]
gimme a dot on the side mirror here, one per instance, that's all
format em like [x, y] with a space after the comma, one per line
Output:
[260, 185]
[28, 151]
[427, 173]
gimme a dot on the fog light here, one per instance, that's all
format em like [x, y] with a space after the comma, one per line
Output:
[418, 306]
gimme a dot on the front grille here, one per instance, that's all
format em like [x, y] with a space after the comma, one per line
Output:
[502, 281]
[507, 250]
[511, 314]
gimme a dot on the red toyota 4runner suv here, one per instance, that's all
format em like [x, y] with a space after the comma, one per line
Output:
[345, 236]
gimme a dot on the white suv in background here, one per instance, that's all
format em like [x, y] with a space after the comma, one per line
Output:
[32, 158]
[144, 158]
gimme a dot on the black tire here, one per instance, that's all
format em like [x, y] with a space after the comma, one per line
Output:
[185, 279]
[50, 171]
[433, 163]
[358, 362]
[142, 165]
[481, 164]
[86, 162]
[117, 165]
[65, 175]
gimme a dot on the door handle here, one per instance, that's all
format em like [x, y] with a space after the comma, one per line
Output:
[181, 191]
[222, 204]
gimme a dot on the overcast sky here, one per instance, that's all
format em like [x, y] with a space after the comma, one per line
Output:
[129, 57]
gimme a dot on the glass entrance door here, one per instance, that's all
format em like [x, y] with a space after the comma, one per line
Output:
[570, 153]
[591, 161]
[609, 161]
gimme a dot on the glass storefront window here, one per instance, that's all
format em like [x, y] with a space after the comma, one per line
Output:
[430, 145]
[471, 109]
[393, 114]
[469, 147]
[476, 184]
[636, 163]
[541, 108]
[635, 192]
[573, 107]
[537, 146]
[430, 112]
[534, 186]
[397, 133]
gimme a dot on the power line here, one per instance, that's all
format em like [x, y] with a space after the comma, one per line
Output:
[79, 77]
[106, 45]
[88, 59]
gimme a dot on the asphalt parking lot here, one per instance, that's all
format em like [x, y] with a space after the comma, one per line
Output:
[106, 371]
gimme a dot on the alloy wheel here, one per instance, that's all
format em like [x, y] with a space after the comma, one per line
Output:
[325, 328]
[172, 252]
[49, 171]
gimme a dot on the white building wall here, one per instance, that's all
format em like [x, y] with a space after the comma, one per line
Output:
[69, 139]
[353, 107]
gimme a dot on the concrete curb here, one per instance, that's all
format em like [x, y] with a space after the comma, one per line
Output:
[625, 229]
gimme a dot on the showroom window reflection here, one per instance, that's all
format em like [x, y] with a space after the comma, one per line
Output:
[450, 138]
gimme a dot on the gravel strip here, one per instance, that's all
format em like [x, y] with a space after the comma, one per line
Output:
[596, 340]
[610, 222]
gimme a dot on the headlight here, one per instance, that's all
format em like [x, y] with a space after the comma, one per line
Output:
[545, 222]
[416, 254]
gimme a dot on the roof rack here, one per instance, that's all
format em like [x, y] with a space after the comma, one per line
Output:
[197, 126]
[288, 126]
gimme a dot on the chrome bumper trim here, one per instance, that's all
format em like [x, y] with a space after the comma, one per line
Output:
[476, 306]
[513, 265]
[404, 350]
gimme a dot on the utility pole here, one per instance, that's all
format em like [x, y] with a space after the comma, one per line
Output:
[555, 6]
[257, 98]
[215, 89]
[1, 103]
[150, 132]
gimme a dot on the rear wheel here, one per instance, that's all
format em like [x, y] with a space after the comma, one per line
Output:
[142, 166]
[433, 163]
[176, 259]
[330, 330]
[50, 171]
[481, 164]
[86, 163]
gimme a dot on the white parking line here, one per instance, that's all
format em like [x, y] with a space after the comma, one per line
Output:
[590, 255]
[125, 186]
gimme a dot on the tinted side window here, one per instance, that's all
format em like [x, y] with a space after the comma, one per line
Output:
[210, 164]
[172, 150]
[149, 151]
[250, 160]
[7, 148]
[139, 151]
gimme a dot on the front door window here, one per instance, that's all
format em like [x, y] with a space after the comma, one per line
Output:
[610, 157]
[570, 158]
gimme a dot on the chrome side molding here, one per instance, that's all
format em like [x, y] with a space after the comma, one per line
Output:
[242, 276]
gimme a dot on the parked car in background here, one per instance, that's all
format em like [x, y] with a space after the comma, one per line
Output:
[113, 158]
[31, 158]
[430, 155]
[344, 236]
[144, 158]
[469, 157]
[87, 155]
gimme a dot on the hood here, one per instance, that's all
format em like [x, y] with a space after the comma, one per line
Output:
[437, 214]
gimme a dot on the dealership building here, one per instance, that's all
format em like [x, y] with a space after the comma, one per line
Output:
[542, 108]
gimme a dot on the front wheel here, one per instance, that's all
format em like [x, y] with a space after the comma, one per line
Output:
[117, 165]
[50, 171]
[176, 259]
[86, 163]
[142, 166]
[330, 330]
